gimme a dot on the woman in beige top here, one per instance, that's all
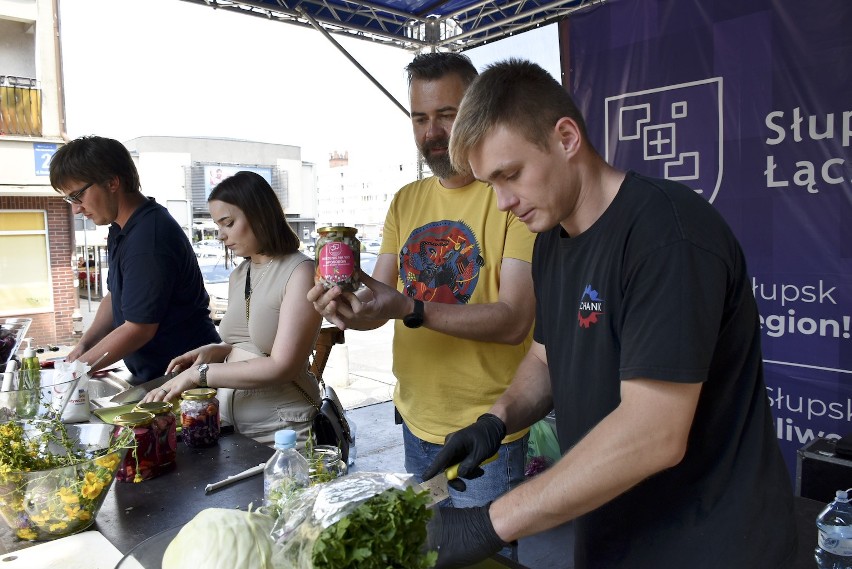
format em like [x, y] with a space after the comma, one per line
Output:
[261, 368]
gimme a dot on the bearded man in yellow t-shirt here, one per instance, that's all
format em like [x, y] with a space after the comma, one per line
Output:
[454, 273]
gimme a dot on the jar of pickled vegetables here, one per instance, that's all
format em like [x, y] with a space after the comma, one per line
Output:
[338, 257]
[140, 463]
[165, 428]
[199, 417]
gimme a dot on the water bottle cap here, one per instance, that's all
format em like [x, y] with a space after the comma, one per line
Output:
[285, 438]
[842, 495]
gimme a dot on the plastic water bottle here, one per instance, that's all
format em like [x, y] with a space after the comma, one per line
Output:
[285, 473]
[834, 543]
[353, 429]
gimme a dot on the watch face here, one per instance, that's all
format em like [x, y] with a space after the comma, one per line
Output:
[415, 319]
[411, 321]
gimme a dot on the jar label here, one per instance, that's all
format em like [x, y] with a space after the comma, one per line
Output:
[336, 263]
[832, 543]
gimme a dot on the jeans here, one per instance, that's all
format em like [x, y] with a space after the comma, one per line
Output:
[500, 476]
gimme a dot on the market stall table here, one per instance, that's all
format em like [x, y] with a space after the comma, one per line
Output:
[135, 512]
[132, 513]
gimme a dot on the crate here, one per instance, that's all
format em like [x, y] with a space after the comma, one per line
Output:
[820, 472]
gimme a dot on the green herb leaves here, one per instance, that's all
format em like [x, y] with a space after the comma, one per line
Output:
[388, 531]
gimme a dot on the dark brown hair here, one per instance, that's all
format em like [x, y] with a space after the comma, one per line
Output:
[256, 198]
[94, 159]
[433, 66]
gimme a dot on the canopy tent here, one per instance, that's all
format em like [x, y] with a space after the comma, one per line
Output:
[416, 25]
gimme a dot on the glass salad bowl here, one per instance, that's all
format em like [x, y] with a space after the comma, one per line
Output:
[54, 477]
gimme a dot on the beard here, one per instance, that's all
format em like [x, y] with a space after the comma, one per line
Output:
[440, 165]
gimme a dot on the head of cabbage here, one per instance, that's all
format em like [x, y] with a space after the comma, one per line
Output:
[221, 538]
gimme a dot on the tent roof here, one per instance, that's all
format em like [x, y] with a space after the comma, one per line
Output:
[416, 25]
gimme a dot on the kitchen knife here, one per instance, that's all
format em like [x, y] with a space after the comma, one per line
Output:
[138, 392]
[452, 473]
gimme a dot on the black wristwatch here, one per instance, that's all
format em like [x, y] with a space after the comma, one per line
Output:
[202, 375]
[415, 319]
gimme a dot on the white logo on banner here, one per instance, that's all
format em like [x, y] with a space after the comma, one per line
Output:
[677, 126]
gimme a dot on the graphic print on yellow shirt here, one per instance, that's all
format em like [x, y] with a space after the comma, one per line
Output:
[440, 262]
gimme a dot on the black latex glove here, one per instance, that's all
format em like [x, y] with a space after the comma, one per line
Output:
[468, 448]
[462, 536]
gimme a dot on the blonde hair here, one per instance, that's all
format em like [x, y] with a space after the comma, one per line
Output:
[514, 93]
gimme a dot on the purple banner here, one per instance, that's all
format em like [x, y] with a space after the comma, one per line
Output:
[748, 103]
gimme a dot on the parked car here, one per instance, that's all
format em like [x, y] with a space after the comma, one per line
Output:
[208, 248]
[372, 246]
[215, 277]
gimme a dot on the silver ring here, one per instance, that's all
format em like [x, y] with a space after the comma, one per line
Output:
[166, 391]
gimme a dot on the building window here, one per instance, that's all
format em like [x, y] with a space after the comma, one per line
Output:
[25, 264]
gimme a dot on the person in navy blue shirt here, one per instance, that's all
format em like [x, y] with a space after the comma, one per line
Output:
[156, 308]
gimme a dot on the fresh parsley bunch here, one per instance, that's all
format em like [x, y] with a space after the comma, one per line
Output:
[387, 531]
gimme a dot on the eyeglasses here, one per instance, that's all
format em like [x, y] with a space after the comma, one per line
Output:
[75, 197]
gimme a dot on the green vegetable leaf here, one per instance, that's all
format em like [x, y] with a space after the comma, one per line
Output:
[387, 531]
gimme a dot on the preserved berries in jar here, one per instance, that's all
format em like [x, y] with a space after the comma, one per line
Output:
[141, 463]
[199, 415]
[338, 257]
[165, 428]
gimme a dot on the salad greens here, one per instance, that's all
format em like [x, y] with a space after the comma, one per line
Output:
[387, 531]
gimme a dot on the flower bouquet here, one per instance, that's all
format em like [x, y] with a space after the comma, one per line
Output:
[54, 477]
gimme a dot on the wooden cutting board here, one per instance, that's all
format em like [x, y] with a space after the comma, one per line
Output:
[85, 550]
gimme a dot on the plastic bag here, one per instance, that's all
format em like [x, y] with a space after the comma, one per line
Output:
[77, 407]
[306, 514]
[543, 441]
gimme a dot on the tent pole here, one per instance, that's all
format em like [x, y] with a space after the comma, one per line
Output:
[342, 50]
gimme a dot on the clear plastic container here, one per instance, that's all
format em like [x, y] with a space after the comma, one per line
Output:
[285, 472]
[199, 416]
[165, 427]
[834, 541]
[140, 463]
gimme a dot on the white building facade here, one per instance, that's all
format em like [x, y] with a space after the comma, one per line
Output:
[357, 195]
[180, 172]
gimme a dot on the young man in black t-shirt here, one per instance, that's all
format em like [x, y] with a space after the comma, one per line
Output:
[647, 344]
